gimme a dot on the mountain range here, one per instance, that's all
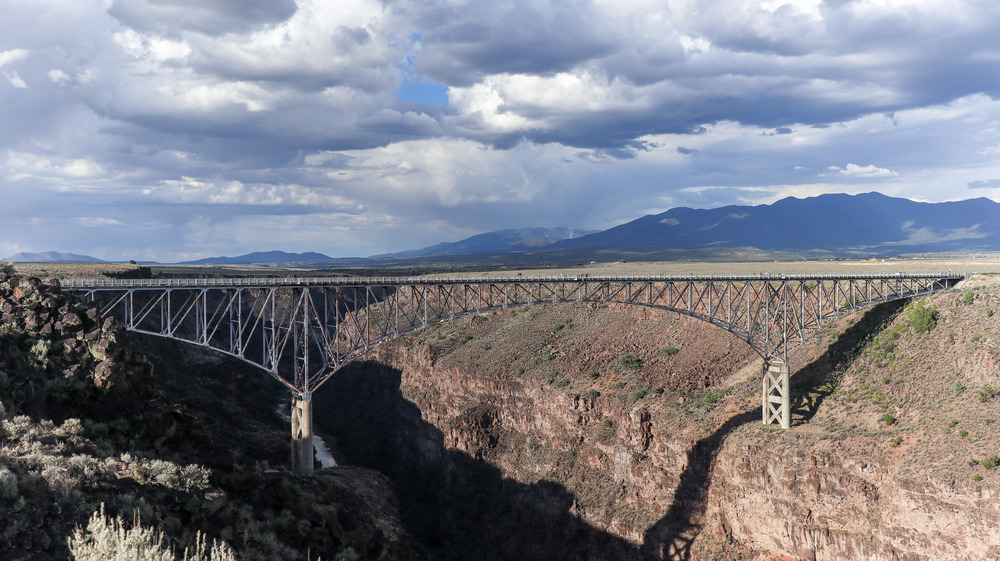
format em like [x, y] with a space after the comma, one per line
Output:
[833, 225]
[843, 225]
[51, 257]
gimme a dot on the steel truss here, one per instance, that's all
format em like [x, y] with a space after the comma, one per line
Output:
[301, 331]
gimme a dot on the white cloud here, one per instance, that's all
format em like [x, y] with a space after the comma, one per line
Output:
[12, 55]
[871, 170]
[15, 80]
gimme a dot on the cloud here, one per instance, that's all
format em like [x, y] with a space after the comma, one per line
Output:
[169, 116]
[212, 17]
[15, 80]
[984, 184]
[869, 171]
[12, 55]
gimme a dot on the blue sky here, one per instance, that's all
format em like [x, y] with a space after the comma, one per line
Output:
[172, 129]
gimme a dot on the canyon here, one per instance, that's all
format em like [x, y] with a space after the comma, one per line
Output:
[591, 432]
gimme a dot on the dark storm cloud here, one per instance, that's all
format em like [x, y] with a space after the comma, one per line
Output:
[214, 17]
[465, 41]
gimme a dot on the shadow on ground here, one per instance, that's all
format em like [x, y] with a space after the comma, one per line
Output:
[461, 507]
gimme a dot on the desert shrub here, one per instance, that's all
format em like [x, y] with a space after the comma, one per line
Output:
[923, 319]
[986, 393]
[977, 477]
[594, 393]
[637, 395]
[991, 462]
[896, 441]
[618, 385]
[629, 360]
[108, 539]
[963, 433]
[558, 326]
[959, 388]
[607, 423]
[889, 419]
[952, 423]
[6, 269]
[989, 313]
[168, 474]
[670, 351]
[968, 296]
[976, 336]
[560, 382]
[8, 484]
[711, 397]
[593, 374]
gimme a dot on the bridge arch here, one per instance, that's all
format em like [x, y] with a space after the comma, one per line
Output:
[302, 331]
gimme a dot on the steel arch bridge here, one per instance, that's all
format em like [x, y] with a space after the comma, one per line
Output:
[302, 330]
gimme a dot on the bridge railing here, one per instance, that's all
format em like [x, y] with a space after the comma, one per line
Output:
[87, 284]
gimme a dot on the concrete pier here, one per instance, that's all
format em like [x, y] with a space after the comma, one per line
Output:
[302, 435]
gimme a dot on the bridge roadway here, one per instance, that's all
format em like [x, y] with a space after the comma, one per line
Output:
[302, 330]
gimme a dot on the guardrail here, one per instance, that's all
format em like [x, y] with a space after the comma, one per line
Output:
[389, 281]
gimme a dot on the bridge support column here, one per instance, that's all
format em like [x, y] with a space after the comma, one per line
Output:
[777, 404]
[302, 434]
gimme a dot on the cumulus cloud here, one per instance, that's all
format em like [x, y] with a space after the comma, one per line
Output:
[167, 116]
[869, 171]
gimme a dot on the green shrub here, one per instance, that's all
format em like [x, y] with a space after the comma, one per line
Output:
[963, 433]
[629, 360]
[608, 423]
[618, 385]
[637, 395]
[986, 393]
[896, 441]
[594, 393]
[952, 423]
[977, 477]
[976, 336]
[560, 382]
[670, 351]
[6, 269]
[959, 388]
[558, 326]
[991, 462]
[923, 319]
[551, 376]
[968, 297]
[989, 313]
[889, 419]
[593, 374]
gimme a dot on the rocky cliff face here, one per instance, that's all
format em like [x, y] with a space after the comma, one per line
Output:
[664, 456]
[86, 427]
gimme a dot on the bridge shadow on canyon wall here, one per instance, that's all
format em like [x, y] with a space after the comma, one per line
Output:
[461, 507]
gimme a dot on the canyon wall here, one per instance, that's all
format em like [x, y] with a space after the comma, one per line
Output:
[540, 415]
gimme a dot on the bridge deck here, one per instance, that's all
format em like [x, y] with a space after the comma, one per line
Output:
[266, 282]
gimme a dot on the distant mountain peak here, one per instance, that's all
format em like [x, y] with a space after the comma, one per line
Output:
[500, 241]
[261, 257]
[865, 224]
[51, 257]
